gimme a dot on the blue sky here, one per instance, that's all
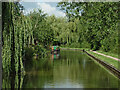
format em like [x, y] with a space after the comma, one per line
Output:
[48, 7]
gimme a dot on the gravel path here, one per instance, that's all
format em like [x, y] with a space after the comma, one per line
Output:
[106, 55]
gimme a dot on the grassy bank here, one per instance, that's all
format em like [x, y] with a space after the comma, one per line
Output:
[106, 59]
[87, 49]
[108, 53]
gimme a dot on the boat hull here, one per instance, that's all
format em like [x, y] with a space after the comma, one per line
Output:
[55, 51]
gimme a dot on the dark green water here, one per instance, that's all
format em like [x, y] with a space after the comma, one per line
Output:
[69, 69]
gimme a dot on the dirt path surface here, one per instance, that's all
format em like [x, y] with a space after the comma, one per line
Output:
[106, 55]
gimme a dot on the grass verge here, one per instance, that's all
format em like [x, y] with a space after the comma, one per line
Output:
[106, 59]
[76, 48]
[108, 53]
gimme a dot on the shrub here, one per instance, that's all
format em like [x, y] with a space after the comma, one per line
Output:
[105, 44]
[75, 45]
[29, 53]
[40, 51]
[84, 44]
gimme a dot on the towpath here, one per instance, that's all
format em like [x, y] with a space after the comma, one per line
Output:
[106, 55]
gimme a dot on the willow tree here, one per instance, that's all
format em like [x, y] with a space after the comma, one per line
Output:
[0, 44]
[17, 34]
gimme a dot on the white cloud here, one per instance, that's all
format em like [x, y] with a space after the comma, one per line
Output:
[27, 11]
[39, 0]
[47, 8]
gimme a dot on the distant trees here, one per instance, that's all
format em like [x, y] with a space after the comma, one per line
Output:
[97, 23]
[42, 31]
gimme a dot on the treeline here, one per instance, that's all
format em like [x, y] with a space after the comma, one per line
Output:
[93, 25]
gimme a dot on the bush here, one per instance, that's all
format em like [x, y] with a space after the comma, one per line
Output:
[29, 53]
[84, 44]
[36, 51]
[105, 44]
[40, 51]
[75, 45]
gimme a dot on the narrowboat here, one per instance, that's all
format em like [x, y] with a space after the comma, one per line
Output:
[55, 49]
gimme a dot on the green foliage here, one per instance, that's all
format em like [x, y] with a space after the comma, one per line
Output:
[75, 45]
[105, 44]
[42, 31]
[29, 53]
[19, 34]
[40, 51]
[95, 23]
[84, 44]
[16, 36]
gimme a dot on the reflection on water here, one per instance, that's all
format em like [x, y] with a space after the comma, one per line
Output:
[67, 69]
[55, 56]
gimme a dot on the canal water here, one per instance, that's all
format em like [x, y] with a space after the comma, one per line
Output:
[68, 69]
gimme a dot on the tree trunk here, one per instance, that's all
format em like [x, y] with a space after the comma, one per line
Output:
[0, 46]
[12, 44]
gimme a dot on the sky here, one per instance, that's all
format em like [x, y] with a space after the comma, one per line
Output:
[48, 7]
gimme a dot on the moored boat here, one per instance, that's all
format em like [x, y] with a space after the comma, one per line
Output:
[55, 49]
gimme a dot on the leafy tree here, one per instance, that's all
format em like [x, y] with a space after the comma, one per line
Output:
[97, 20]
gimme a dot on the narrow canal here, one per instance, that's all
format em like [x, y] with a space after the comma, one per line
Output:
[69, 69]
